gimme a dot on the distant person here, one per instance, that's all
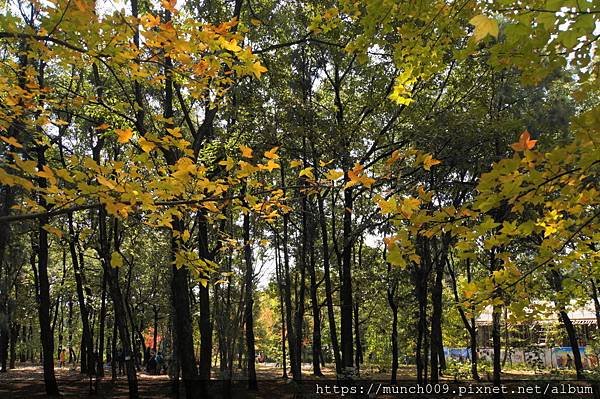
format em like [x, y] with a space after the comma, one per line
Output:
[160, 361]
[62, 358]
[121, 361]
[151, 364]
[569, 361]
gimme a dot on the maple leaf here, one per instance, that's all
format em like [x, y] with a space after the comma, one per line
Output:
[333, 174]
[484, 26]
[150, 21]
[524, 143]
[169, 5]
[116, 260]
[231, 45]
[228, 163]
[146, 145]
[271, 154]
[12, 141]
[246, 151]
[387, 207]
[257, 69]
[428, 162]
[53, 230]
[294, 163]
[409, 205]
[124, 135]
[269, 166]
[307, 172]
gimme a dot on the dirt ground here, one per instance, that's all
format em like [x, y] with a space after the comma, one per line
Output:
[28, 383]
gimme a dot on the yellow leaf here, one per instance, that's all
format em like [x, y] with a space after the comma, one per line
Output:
[47, 173]
[53, 230]
[116, 260]
[229, 163]
[294, 163]
[271, 154]
[146, 145]
[387, 207]
[307, 172]
[211, 206]
[231, 45]
[175, 132]
[269, 166]
[124, 135]
[257, 69]
[185, 236]
[334, 174]
[246, 169]
[169, 5]
[150, 21]
[246, 151]
[12, 141]
[484, 26]
[409, 205]
[105, 182]
[184, 166]
[323, 163]
[469, 290]
[428, 162]
[255, 22]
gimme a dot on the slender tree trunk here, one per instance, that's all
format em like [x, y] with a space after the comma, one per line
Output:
[496, 343]
[113, 363]
[183, 323]
[278, 273]
[119, 307]
[206, 326]
[316, 311]
[248, 306]
[46, 336]
[102, 321]
[87, 350]
[291, 335]
[346, 285]
[392, 284]
[556, 281]
[596, 302]
[436, 320]
[358, 359]
[328, 286]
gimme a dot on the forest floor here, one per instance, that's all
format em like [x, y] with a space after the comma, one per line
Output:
[27, 382]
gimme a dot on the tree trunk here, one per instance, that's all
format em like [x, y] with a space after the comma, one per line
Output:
[182, 323]
[102, 321]
[248, 308]
[291, 336]
[46, 336]
[316, 311]
[496, 316]
[278, 274]
[346, 284]
[359, 355]
[119, 308]
[328, 287]
[206, 326]
[87, 349]
[573, 342]
[436, 320]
